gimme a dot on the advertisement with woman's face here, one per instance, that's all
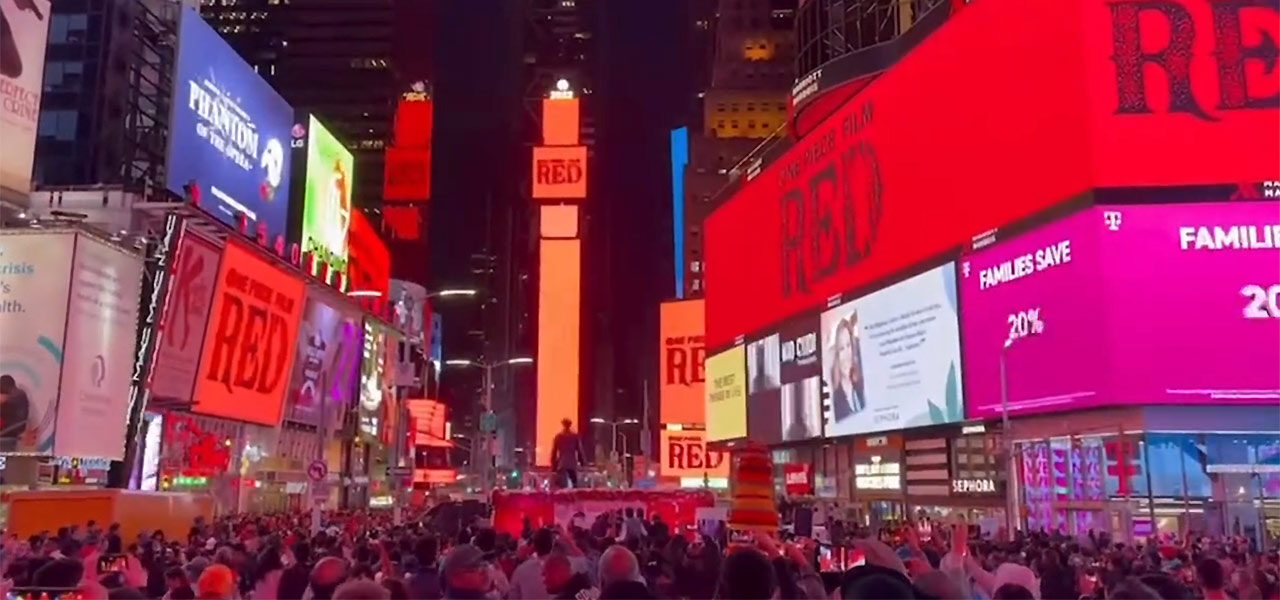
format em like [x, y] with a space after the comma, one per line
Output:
[891, 359]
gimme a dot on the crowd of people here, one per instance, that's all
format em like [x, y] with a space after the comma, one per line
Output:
[621, 555]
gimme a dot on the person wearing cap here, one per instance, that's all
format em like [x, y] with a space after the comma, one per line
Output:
[465, 573]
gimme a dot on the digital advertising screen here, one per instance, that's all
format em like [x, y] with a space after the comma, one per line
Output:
[102, 319]
[369, 265]
[727, 395]
[26, 30]
[1109, 341]
[373, 370]
[800, 401]
[559, 172]
[684, 453]
[193, 275]
[764, 388]
[891, 359]
[326, 209]
[251, 341]
[325, 372]
[35, 267]
[682, 362]
[229, 133]
[1113, 100]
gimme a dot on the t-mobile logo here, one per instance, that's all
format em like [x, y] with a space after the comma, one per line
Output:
[1112, 219]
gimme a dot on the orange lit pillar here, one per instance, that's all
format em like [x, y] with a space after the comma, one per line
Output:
[559, 189]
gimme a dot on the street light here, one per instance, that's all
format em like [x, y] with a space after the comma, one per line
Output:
[1010, 486]
[613, 425]
[488, 398]
[436, 294]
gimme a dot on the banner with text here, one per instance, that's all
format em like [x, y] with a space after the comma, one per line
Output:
[251, 341]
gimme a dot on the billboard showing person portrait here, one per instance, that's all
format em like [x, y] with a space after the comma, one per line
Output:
[229, 133]
[764, 389]
[193, 275]
[891, 358]
[1107, 343]
[326, 205]
[251, 340]
[22, 45]
[102, 319]
[34, 269]
[726, 395]
[682, 363]
[326, 371]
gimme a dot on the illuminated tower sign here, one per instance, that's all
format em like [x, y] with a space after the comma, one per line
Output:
[559, 187]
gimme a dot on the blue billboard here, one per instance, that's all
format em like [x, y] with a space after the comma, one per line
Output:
[229, 133]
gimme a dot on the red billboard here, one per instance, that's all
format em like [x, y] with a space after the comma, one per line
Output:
[1070, 96]
[250, 342]
[407, 176]
[414, 116]
[559, 172]
[369, 264]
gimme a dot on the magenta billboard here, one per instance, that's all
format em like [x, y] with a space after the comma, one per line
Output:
[1125, 305]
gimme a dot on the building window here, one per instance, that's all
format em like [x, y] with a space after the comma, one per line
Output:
[733, 123]
[719, 107]
[58, 124]
[695, 266]
[751, 124]
[63, 75]
[720, 124]
[68, 28]
[751, 107]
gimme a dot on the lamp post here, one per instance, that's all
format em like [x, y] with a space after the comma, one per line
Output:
[1006, 434]
[486, 418]
[614, 434]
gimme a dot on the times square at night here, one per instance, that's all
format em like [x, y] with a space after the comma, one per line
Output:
[826, 280]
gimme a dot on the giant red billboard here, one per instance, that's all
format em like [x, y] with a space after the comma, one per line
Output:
[250, 342]
[1069, 96]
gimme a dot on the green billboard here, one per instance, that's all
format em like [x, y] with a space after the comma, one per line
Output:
[326, 206]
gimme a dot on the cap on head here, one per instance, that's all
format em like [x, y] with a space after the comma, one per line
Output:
[463, 557]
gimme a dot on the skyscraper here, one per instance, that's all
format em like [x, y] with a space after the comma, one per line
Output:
[332, 58]
[745, 106]
[108, 80]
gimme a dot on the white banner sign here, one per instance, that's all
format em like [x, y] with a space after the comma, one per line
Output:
[102, 321]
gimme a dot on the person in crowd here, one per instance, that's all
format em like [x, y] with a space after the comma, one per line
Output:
[563, 583]
[1212, 578]
[526, 581]
[361, 589]
[747, 575]
[424, 579]
[465, 574]
[329, 573]
[177, 585]
[217, 582]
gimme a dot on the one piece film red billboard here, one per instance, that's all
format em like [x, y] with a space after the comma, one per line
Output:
[1007, 110]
